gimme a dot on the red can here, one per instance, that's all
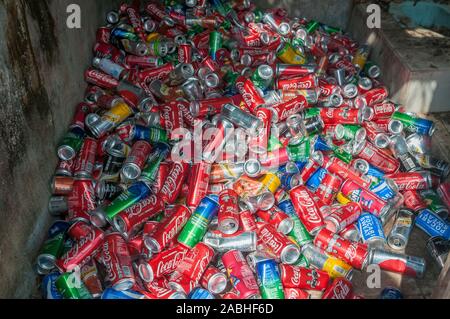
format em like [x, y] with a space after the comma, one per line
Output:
[444, 193]
[214, 280]
[240, 274]
[229, 212]
[105, 50]
[307, 209]
[277, 218]
[136, 160]
[413, 200]
[168, 229]
[259, 144]
[131, 219]
[116, 258]
[378, 158]
[341, 289]
[297, 83]
[195, 263]
[174, 182]
[100, 79]
[341, 115]
[353, 253]
[209, 107]
[342, 216]
[328, 189]
[135, 20]
[156, 291]
[303, 278]
[81, 253]
[412, 180]
[82, 198]
[251, 96]
[162, 264]
[78, 120]
[84, 164]
[338, 167]
[159, 73]
[383, 110]
[103, 35]
[281, 112]
[383, 123]
[367, 199]
[247, 221]
[372, 97]
[79, 230]
[326, 89]
[65, 168]
[296, 294]
[278, 244]
[185, 54]
[198, 183]
[163, 173]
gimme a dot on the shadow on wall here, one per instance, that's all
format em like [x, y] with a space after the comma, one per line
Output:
[331, 12]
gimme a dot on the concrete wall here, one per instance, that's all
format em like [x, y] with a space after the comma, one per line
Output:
[41, 76]
[333, 12]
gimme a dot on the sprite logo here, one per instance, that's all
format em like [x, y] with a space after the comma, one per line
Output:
[74, 280]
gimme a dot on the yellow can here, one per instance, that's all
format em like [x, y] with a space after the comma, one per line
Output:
[152, 37]
[118, 114]
[342, 199]
[337, 268]
[361, 56]
[288, 55]
[271, 182]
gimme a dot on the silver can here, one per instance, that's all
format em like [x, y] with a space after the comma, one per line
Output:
[399, 235]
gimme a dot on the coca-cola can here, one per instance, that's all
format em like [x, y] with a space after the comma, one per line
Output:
[296, 294]
[198, 183]
[329, 188]
[162, 264]
[280, 245]
[307, 209]
[354, 253]
[242, 277]
[214, 280]
[84, 164]
[412, 180]
[228, 216]
[168, 229]
[136, 160]
[413, 200]
[174, 182]
[116, 258]
[340, 289]
[342, 216]
[277, 218]
[303, 278]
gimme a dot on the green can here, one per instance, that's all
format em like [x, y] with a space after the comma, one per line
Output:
[71, 286]
[434, 202]
[263, 76]
[299, 233]
[274, 144]
[415, 124]
[71, 144]
[270, 284]
[312, 26]
[300, 151]
[311, 112]
[197, 225]
[53, 249]
[302, 262]
[215, 43]
[343, 153]
[128, 198]
[331, 30]
[350, 132]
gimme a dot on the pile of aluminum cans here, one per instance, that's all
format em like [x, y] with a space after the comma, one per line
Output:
[225, 152]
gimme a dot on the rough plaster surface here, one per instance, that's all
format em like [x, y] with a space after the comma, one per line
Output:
[41, 76]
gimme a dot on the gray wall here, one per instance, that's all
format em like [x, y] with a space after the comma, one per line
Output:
[333, 12]
[41, 76]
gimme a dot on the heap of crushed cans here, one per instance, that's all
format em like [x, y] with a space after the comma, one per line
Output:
[308, 166]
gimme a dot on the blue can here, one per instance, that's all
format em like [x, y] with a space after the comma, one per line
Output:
[287, 207]
[432, 224]
[371, 230]
[201, 294]
[269, 280]
[140, 190]
[322, 145]
[48, 287]
[57, 228]
[391, 293]
[384, 189]
[289, 181]
[375, 172]
[423, 126]
[316, 179]
[111, 294]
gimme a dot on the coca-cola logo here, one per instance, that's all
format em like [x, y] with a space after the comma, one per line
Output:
[341, 290]
[77, 249]
[137, 209]
[246, 96]
[376, 96]
[156, 11]
[179, 222]
[351, 252]
[384, 108]
[295, 279]
[170, 186]
[308, 207]
[135, 21]
[269, 239]
[170, 263]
